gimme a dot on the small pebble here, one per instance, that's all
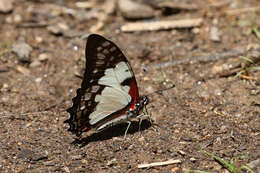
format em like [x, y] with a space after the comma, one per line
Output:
[218, 92]
[215, 34]
[254, 92]
[181, 152]
[9, 19]
[38, 80]
[133, 10]
[85, 5]
[17, 18]
[22, 50]
[141, 139]
[43, 57]
[112, 162]
[38, 39]
[58, 28]
[254, 164]
[84, 161]
[75, 48]
[195, 30]
[35, 64]
[192, 159]
[6, 6]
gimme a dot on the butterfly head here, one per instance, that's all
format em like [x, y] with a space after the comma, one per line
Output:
[139, 106]
[143, 101]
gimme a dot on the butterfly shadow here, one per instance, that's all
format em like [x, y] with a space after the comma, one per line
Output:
[114, 131]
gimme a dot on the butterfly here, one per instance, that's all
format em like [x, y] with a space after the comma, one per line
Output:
[109, 93]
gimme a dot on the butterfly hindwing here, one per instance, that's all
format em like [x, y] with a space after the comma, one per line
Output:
[108, 88]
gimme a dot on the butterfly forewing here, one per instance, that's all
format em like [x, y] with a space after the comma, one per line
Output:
[108, 88]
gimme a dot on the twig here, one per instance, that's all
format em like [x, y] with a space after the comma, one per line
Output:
[28, 113]
[178, 6]
[230, 72]
[242, 10]
[4, 116]
[168, 162]
[32, 25]
[219, 4]
[161, 25]
[204, 58]
[248, 77]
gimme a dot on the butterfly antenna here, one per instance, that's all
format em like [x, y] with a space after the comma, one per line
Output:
[147, 116]
[161, 90]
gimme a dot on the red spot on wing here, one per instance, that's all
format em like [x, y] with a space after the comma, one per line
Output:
[134, 93]
[85, 129]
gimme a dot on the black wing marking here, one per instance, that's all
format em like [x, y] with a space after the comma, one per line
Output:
[100, 55]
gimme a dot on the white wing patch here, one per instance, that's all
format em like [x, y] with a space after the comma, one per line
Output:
[115, 96]
[114, 76]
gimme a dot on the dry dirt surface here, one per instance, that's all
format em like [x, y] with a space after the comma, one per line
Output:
[214, 105]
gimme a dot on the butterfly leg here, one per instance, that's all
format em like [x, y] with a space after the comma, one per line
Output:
[144, 116]
[140, 122]
[129, 123]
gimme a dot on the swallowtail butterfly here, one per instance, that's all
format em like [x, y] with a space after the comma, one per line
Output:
[109, 93]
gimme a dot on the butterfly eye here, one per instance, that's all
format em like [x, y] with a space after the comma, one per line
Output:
[95, 71]
[82, 107]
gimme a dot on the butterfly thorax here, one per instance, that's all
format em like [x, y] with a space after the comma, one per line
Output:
[132, 113]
